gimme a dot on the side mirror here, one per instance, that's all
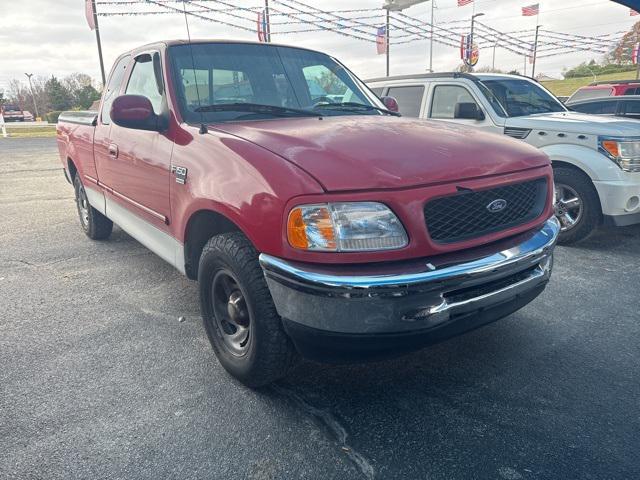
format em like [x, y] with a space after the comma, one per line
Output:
[390, 104]
[135, 111]
[468, 111]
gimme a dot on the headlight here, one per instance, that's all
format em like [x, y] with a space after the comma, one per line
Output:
[624, 151]
[345, 227]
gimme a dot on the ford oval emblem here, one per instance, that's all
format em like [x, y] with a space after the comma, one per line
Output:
[497, 205]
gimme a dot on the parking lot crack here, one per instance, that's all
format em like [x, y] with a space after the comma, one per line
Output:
[335, 428]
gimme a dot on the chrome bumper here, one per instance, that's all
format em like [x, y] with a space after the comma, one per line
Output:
[396, 301]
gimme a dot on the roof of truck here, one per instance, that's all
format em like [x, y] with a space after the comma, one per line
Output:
[469, 76]
[194, 41]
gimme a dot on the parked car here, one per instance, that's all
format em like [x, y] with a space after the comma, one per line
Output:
[606, 89]
[596, 160]
[627, 106]
[333, 230]
[12, 113]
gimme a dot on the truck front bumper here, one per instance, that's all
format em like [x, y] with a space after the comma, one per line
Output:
[346, 313]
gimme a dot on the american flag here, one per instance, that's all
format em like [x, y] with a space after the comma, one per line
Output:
[462, 3]
[531, 10]
[633, 13]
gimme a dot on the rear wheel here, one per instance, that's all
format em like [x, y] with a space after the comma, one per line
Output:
[239, 316]
[576, 206]
[95, 225]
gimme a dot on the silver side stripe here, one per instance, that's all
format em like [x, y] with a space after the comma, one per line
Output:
[159, 242]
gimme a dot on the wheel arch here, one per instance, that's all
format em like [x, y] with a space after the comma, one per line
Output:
[201, 226]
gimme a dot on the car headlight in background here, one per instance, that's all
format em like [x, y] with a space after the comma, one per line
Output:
[624, 151]
[345, 227]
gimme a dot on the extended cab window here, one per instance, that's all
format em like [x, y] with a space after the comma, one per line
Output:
[113, 87]
[409, 99]
[445, 98]
[145, 80]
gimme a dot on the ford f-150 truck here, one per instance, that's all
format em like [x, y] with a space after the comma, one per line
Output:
[596, 160]
[314, 226]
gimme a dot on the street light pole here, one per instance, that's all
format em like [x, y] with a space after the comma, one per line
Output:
[268, 19]
[431, 39]
[535, 53]
[387, 41]
[473, 20]
[33, 97]
[493, 64]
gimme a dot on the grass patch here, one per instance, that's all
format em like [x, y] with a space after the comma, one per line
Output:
[570, 85]
[36, 131]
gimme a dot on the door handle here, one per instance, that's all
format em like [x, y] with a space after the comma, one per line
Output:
[113, 150]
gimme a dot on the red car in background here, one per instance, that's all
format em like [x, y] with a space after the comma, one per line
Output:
[12, 113]
[606, 89]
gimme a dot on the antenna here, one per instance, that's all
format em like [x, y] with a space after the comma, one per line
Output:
[203, 127]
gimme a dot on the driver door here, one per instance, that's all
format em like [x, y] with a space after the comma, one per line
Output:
[444, 99]
[140, 158]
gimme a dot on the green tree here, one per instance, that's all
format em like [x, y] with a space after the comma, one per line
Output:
[59, 97]
[85, 97]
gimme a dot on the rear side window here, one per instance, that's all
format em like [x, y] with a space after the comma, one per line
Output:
[409, 99]
[597, 108]
[632, 107]
[445, 98]
[144, 81]
[113, 87]
[589, 93]
[378, 91]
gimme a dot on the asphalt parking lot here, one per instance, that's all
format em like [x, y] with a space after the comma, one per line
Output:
[99, 379]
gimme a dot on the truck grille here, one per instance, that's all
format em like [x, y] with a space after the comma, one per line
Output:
[470, 214]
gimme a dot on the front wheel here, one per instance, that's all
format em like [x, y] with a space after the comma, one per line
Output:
[239, 316]
[576, 205]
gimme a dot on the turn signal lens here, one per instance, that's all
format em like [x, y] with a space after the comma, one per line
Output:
[611, 147]
[345, 227]
[310, 228]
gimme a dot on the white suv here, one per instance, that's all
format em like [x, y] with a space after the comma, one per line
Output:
[596, 159]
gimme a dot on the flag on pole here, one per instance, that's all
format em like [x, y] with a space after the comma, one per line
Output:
[462, 3]
[531, 10]
[88, 12]
[262, 26]
[381, 40]
[633, 13]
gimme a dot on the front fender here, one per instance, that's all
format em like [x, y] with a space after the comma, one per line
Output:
[590, 161]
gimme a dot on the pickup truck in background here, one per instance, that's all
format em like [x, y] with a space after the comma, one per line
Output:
[606, 89]
[596, 159]
[12, 113]
[314, 226]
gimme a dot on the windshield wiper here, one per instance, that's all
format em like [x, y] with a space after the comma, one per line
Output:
[354, 107]
[255, 108]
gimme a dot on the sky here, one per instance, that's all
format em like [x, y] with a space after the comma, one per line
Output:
[51, 37]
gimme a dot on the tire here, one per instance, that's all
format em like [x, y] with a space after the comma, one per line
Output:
[95, 225]
[249, 340]
[573, 183]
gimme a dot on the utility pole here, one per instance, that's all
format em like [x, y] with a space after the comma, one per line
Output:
[387, 40]
[535, 53]
[433, 6]
[33, 97]
[95, 22]
[266, 14]
[493, 64]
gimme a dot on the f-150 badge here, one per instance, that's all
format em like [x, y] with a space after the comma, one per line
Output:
[180, 173]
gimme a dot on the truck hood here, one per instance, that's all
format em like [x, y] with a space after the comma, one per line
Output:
[580, 123]
[378, 152]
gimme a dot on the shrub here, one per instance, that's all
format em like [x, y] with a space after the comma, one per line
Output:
[52, 117]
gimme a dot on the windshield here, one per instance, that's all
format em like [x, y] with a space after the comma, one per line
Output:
[234, 74]
[11, 108]
[519, 97]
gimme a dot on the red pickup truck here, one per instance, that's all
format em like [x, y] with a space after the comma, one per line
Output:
[316, 221]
